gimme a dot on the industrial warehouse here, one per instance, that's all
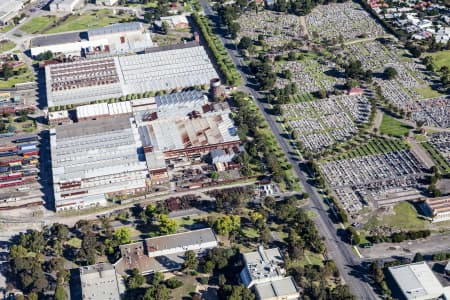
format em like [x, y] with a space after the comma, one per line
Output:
[115, 39]
[92, 160]
[85, 81]
[150, 144]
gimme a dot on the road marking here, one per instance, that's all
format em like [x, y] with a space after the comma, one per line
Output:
[357, 251]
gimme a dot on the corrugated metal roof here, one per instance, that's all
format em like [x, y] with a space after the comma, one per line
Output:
[115, 28]
[417, 281]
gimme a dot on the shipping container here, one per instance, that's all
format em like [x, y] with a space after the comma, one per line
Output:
[10, 176]
[30, 153]
[27, 147]
[8, 153]
[10, 183]
[32, 171]
[29, 178]
[26, 139]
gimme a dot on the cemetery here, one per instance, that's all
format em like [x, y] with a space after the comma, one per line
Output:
[348, 18]
[322, 123]
[311, 74]
[433, 112]
[374, 180]
[276, 28]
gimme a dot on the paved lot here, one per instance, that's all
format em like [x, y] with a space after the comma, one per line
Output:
[436, 243]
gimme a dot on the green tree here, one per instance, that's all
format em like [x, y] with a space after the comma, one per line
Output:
[135, 280]
[287, 74]
[18, 251]
[353, 236]
[240, 292]
[342, 292]
[173, 283]
[418, 257]
[33, 296]
[158, 277]
[7, 71]
[215, 175]
[60, 293]
[245, 43]
[390, 73]
[47, 55]
[166, 225]
[190, 260]
[165, 27]
[233, 29]
[122, 235]
[226, 224]
[158, 292]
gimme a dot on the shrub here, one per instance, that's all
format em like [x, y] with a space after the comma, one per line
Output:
[173, 283]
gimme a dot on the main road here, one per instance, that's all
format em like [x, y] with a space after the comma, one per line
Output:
[349, 265]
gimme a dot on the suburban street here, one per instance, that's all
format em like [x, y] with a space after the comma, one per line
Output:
[339, 251]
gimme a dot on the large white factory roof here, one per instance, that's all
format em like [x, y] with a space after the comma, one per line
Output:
[182, 67]
[101, 154]
[417, 281]
[100, 109]
[165, 70]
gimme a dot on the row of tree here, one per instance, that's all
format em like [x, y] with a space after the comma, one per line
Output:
[224, 64]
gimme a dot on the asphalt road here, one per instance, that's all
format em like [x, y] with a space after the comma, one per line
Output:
[348, 264]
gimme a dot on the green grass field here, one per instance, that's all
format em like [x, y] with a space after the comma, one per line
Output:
[250, 232]
[6, 28]
[405, 217]
[91, 19]
[420, 138]
[6, 45]
[373, 147]
[25, 77]
[427, 92]
[393, 127]
[441, 58]
[309, 259]
[37, 24]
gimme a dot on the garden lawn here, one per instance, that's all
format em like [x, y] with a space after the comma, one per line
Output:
[89, 20]
[441, 58]
[405, 217]
[188, 287]
[6, 45]
[309, 258]
[22, 78]
[37, 24]
[250, 232]
[391, 126]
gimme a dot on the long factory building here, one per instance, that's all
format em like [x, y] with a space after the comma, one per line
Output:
[86, 81]
[94, 160]
[115, 39]
[123, 148]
